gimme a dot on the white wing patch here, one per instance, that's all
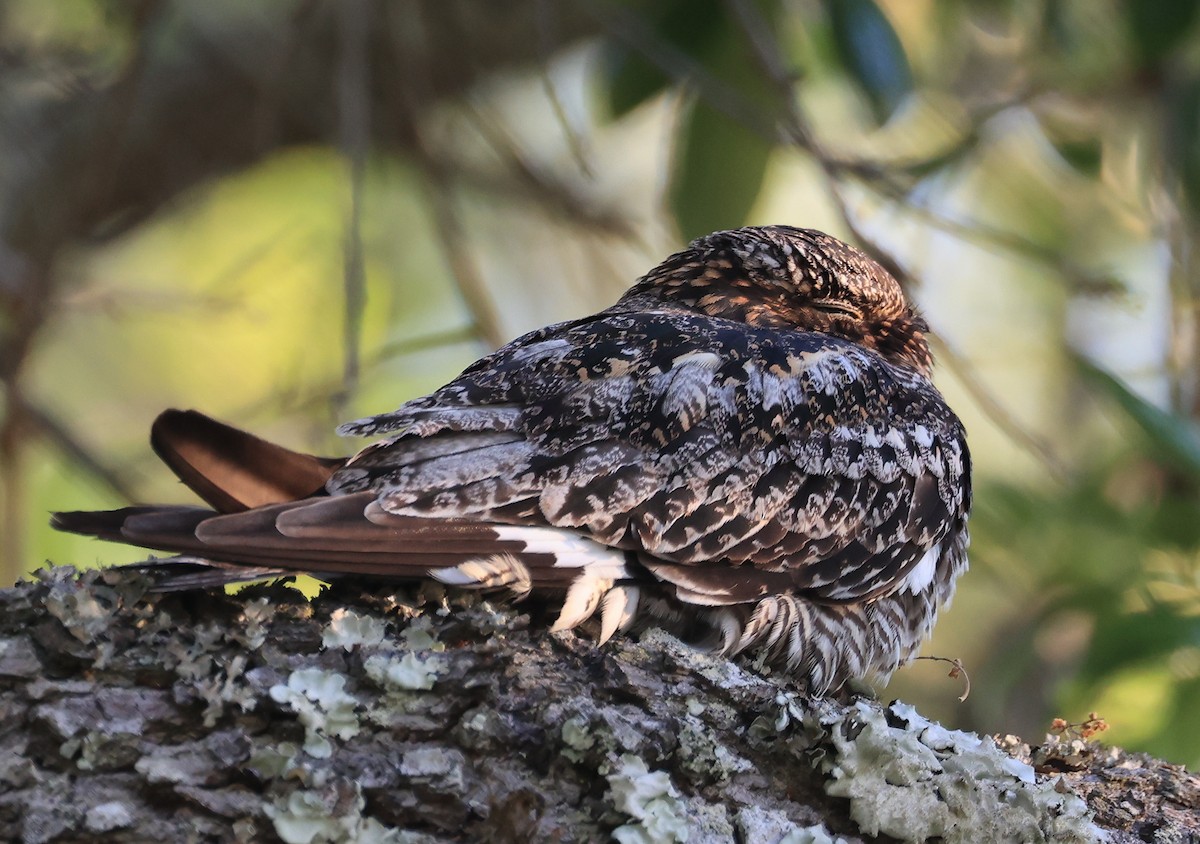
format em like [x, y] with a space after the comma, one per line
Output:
[488, 573]
[921, 576]
[598, 583]
[570, 549]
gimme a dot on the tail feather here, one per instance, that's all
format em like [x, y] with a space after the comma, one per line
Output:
[233, 470]
[111, 524]
[270, 516]
[333, 535]
[185, 574]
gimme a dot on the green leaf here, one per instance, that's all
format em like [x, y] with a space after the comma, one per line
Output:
[1124, 641]
[719, 169]
[1175, 438]
[1085, 155]
[871, 52]
[692, 27]
[719, 162]
[1180, 741]
[1158, 26]
[631, 80]
[955, 153]
[1182, 147]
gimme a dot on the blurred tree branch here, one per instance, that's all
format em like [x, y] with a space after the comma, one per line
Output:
[193, 101]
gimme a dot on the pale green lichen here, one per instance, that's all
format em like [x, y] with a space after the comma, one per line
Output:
[347, 629]
[577, 738]
[253, 624]
[650, 799]
[85, 609]
[418, 635]
[815, 834]
[705, 756]
[393, 669]
[83, 748]
[321, 817]
[479, 721]
[410, 672]
[446, 765]
[912, 779]
[80, 612]
[217, 678]
[166, 768]
[771, 826]
[225, 685]
[319, 699]
[270, 762]
[108, 816]
[487, 618]
[193, 655]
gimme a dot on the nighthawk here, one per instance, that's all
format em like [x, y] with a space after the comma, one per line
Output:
[748, 441]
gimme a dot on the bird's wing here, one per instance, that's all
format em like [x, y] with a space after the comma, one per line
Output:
[783, 459]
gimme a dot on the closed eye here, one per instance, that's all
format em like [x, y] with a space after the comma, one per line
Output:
[837, 307]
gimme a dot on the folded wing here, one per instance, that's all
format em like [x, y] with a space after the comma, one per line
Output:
[725, 463]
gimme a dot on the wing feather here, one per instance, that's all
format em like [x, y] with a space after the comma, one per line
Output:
[710, 446]
[730, 459]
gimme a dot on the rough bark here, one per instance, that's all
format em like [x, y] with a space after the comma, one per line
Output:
[381, 715]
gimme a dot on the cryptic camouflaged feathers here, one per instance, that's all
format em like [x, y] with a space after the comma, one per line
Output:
[748, 441]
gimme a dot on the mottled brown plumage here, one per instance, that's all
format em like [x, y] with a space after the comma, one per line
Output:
[747, 438]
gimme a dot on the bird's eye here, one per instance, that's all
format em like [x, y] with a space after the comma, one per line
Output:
[836, 307]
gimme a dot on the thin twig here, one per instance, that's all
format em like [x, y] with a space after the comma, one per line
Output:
[45, 425]
[423, 343]
[455, 244]
[545, 18]
[630, 30]
[319, 395]
[354, 117]
[12, 489]
[766, 50]
[881, 176]
[439, 187]
[995, 410]
[278, 62]
[1077, 278]
[554, 193]
[957, 670]
[29, 302]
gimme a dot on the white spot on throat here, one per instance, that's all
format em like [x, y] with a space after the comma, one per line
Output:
[921, 576]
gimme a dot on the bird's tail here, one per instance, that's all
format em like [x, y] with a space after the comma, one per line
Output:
[269, 515]
[234, 470]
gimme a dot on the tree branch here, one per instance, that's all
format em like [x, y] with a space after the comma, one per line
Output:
[397, 713]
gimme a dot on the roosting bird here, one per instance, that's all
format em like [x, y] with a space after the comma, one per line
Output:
[748, 440]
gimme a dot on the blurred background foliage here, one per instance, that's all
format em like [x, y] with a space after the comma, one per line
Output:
[293, 212]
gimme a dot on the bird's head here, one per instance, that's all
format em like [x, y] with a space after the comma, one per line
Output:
[789, 278]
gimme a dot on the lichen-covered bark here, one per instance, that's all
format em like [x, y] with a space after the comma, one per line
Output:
[380, 716]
